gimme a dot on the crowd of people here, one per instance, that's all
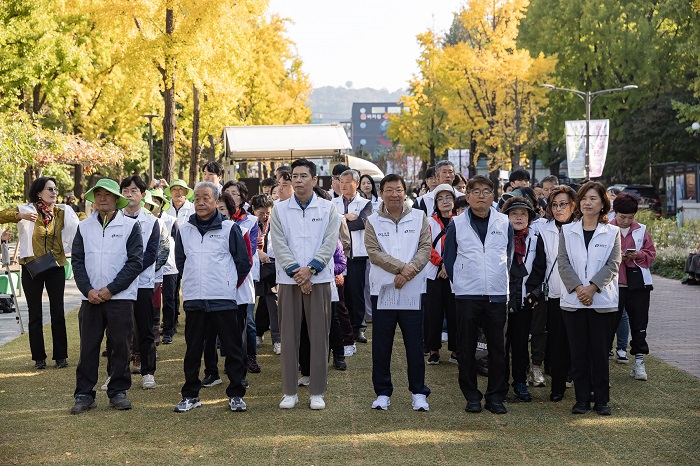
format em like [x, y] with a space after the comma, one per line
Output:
[547, 275]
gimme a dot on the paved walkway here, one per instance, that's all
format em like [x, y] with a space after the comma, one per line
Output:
[674, 322]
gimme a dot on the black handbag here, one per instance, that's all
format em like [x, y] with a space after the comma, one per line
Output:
[43, 263]
[635, 279]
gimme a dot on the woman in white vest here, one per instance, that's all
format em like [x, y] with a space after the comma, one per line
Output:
[634, 280]
[589, 260]
[369, 191]
[44, 228]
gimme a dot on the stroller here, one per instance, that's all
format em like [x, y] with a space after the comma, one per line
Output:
[8, 303]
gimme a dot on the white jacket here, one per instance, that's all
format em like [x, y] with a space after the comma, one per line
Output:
[550, 237]
[481, 269]
[530, 253]
[398, 240]
[210, 272]
[431, 269]
[245, 294]
[183, 214]
[147, 278]
[169, 268]
[638, 237]
[25, 230]
[357, 237]
[586, 262]
[106, 252]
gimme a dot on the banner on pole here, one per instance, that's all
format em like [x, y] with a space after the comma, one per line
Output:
[460, 159]
[576, 147]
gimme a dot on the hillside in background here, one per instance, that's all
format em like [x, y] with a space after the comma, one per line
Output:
[332, 104]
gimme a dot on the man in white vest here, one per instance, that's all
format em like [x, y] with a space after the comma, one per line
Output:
[107, 260]
[133, 188]
[304, 232]
[356, 209]
[397, 238]
[477, 256]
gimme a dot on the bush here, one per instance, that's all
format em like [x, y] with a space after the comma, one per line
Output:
[672, 243]
[670, 262]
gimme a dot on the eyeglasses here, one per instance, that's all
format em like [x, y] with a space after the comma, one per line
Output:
[391, 192]
[479, 192]
[445, 199]
[51, 190]
[560, 206]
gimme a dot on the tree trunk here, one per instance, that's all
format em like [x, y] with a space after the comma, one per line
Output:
[472, 157]
[36, 99]
[194, 155]
[78, 182]
[169, 121]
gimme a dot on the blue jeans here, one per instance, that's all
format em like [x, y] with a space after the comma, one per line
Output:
[623, 332]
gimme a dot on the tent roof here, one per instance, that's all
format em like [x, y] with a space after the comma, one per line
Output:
[284, 142]
[364, 166]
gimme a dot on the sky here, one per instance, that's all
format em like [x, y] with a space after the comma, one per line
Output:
[371, 43]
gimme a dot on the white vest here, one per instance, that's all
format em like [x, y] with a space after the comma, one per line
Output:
[586, 262]
[638, 237]
[147, 278]
[530, 253]
[182, 215]
[210, 272]
[550, 236]
[169, 268]
[357, 237]
[105, 252]
[397, 240]
[25, 230]
[245, 294]
[431, 269]
[481, 268]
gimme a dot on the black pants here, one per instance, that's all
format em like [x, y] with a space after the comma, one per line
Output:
[517, 344]
[335, 340]
[117, 318]
[589, 335]
[440, 304]
[384, 322]
[355, 293]
[230, 327]
[558, 347]
[538, 330]
[55, 282]
[170, 303]
[492, 317]
[143, 318]
[636, 303]
[211, 359]
[344, 318]
[266, 302]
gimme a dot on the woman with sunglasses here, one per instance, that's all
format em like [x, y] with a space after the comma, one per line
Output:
[44, 227]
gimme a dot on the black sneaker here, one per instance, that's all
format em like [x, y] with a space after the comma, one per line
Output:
[237, 405]
[211, 380]
[360, 337]
[83, 403]
[496, 407]
[602, 409]
[253, 365]
[581, 407]
[187, 404]
[339, 363]
[473, 406]
[521, 392]
[434, 359]
[244, 382]
[61, 363]
[120, 401]
[167, 339]
[40, 364]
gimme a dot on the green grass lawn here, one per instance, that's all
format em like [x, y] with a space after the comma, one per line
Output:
[654, 422]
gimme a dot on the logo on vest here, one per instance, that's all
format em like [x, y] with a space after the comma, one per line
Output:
[384, 234]
[601, 245]
[496, 232]
[317, 219]
[409, 231]
[215, 235]
[117, 235]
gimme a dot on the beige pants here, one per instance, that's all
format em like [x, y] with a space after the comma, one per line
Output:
[293, 306]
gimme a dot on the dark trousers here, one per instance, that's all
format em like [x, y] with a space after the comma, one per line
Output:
[558, 347]
[355, 293]
[335, 340]
[230, 327]
[143, 318]
[440, 304]
[267, 307]
[117, 318]
[492, 318]
[538, 330]
[517, 344]
[589, 335]
[384, 323]
[636, 303]
[170, 303]
[55, 282]
[344, 318]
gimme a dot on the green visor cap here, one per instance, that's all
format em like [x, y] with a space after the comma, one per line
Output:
[182, 183]
[109, 186]
[158, 194]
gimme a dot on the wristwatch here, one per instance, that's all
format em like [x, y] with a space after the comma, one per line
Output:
[313, 270]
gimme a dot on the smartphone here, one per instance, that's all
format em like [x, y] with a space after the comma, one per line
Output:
[630, 251]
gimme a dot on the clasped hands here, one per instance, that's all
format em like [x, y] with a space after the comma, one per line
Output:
[302, 276]
[406, 275]
[585, 293]
[99, 296]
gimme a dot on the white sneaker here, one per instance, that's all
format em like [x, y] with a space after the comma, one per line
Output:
[316, 402]
[639, 371]
[536, 378]
[382, 402]
[277, 348]
[444, 337]
[148, 382]
[106, 384]
[349, 350]
[259, 341]
[419, 402]
[289, 401]
[304, 381]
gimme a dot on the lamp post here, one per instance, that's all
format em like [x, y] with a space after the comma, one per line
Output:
[150, 117]
[588, 97]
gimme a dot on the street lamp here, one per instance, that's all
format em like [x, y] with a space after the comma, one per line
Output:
[150, 117]
[588, 98]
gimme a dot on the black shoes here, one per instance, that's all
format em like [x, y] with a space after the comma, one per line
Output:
[521, 392]
[581, 407]
[434, 359]
[61, 363]
[211, 380]
[360, 337]
[40, 364]
[253, 365]
[339, 363]
[167, 339]
[496, 407]
[83, 403]
[602, 409]
[120, 401]
[473, 406]
[556, 397]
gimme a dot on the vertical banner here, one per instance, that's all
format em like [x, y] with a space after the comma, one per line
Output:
[576, 147]
[460, 159]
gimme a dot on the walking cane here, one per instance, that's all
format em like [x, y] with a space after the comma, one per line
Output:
[6, 264]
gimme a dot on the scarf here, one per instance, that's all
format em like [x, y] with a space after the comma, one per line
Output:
[46, 213]
[239, 216]
[520, 245]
